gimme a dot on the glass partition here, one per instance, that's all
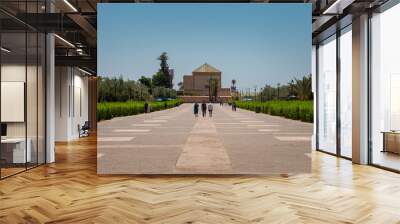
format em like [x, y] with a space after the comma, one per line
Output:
[13, 95]
[327, 95]
[41, 97]
[22, 78]
[385, 89]
[31, 98]
[346, 92]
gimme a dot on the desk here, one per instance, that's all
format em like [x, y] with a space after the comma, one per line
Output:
[13, 150]
[391, 141]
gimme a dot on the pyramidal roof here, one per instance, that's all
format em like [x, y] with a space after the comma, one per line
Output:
[206, 68]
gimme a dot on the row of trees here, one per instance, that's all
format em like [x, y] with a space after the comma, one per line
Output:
[145, 88]
[295, 89]
[120, 90]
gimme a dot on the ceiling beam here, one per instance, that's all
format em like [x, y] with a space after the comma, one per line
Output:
[77, 61]
[86, 27]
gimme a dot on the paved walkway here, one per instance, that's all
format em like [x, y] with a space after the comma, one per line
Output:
[175, 142]
[204, 151]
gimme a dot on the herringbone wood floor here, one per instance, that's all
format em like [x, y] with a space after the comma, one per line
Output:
[69, 191]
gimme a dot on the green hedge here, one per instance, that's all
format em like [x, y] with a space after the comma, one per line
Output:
[296, 110]
[108, 110]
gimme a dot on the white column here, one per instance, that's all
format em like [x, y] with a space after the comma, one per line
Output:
[50, 99]
[50, 92]
[63, 101]
[360, 90]
[314, 90]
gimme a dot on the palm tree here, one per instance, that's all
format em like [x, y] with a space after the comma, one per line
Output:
[233, 86]
[180, 85]
[291, 88]
[303, 88]
[278, 85]
[213, 85]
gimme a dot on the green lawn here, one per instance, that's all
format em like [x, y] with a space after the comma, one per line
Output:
[108, 110]
[296, 109]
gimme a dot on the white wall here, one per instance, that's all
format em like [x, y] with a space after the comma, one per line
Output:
[62, 82]
[71, 87]
[80, 109]
[33, 126]
[15, 73]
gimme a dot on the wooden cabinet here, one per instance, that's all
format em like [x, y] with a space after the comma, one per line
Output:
[391, 142]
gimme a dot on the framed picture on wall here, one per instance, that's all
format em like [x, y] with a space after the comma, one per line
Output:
[12, 101]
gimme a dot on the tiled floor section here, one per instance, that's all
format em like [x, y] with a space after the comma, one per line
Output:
[174, 141]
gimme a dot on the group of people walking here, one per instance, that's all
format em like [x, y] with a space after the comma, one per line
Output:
[209, 107]
[204, 108]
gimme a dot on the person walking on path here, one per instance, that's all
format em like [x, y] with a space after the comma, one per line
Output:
[233, 106]
[204, 108]
[196, 109]
[210, 109]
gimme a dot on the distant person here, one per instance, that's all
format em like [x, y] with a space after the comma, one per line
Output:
[146, 107]
[233, 106]
[210, 109]
[204, 109]
[196, 109]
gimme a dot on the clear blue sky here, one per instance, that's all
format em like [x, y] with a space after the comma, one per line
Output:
[252, 43]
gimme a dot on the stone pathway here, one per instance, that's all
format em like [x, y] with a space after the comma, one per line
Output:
[175, 142]
[204, 151]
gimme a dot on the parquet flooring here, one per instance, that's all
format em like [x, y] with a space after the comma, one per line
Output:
[70, 191]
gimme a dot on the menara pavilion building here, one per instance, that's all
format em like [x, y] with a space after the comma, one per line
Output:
[196, 87]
